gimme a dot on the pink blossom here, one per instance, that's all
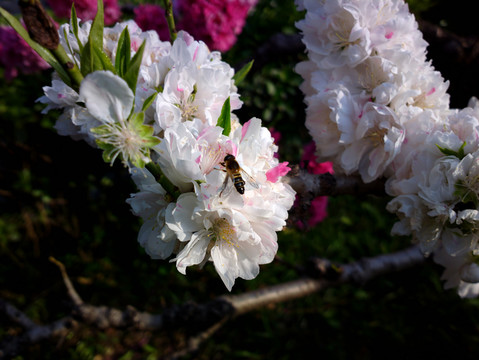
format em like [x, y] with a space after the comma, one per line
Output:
[16, 56]
[276, 135]
[216, 22]
[308, 161]
[86, 9]
[152, 17]
[318, 209]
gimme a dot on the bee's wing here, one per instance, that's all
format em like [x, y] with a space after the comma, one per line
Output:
[225, 183]
[249, 179]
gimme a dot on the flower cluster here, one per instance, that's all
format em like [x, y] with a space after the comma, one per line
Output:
[216, 22]
[211, 189]
[16, 56]
[376, 107]
[86, 9]
[152, 17]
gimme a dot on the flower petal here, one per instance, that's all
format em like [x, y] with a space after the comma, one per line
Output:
[106, 96]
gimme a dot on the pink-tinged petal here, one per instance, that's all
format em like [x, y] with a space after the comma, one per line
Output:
[244, 129]
[275, 173]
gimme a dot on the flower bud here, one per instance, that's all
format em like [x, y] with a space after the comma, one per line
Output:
[40, 26]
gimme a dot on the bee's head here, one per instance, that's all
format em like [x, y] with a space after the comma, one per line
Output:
[229, 157]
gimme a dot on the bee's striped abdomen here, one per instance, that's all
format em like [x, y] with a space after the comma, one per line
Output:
[238, 182]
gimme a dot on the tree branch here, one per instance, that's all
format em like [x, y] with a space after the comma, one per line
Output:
[306, 184]
[211, 315]
[34, 333]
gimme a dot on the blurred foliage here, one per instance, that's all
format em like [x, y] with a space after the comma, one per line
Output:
[57, 198]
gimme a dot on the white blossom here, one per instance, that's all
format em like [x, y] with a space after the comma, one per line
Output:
[150, 203]
[237, 232]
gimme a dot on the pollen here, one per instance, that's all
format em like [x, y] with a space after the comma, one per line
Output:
[212, 154]
[376, 136]
[125, 142]
[224, 232]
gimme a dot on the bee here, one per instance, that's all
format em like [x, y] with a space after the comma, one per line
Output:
[236, 173]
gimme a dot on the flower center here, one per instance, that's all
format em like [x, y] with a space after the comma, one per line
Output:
[376, 136]
[211, 155]
[224, 232]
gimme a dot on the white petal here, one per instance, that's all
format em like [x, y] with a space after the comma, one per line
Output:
[106, 96]
[194, 252]
[180, 219]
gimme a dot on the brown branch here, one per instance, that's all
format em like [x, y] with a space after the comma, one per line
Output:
[12, 345]
[212, 315]
[327, 184]
[330, 185]
[196, 316]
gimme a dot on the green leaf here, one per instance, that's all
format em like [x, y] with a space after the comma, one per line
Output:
[89, 58]
[44, 53]
[104, 60]
[224, 119]
[241, 74]
[74, 22]
[123, 53]
[65, 35]
[149, 101]
[131, 75]
[96, 32]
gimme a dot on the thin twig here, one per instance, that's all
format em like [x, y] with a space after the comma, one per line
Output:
[70, 288]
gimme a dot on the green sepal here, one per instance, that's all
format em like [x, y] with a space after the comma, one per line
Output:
[131, 75]
[241, 74]
[123, 53]
[100, 130]
[448, 152]
[143, 130]
[44, 53]
[136, 119]
[224, 119]
[149, 100]
[107, 151]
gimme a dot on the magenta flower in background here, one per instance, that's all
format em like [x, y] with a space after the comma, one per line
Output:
[152, 17]
[216, 22]
[318, 209]
[86, 9]
[309, 162]
[16, 56]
